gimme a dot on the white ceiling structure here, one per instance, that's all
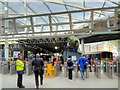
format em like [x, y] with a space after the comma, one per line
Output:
[41, 18]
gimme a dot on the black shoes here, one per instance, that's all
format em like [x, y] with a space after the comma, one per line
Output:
[37, 87]
[22, 87]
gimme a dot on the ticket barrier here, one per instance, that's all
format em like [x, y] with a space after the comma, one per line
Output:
[97, 70]
[119, 69]
[115, 68]
[5, 68]
[57, 68]
[29, 70]
[0, 66]
[65, 71]
[76, 70]
[110, 73]
[12, 67]
[87, 71]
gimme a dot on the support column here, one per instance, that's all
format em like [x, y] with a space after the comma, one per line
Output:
[82, 46]
[115, 17]
[6, 50]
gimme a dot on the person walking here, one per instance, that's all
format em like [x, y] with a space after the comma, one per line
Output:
[70, 67]
[20, 71]
[82, 62]
[88, 57]
[38, 67]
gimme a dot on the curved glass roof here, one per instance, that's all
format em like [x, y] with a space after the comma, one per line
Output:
[31, 7]
[15, 8]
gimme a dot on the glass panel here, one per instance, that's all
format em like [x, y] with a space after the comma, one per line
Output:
[39, 7]
[56, 7]
[23, 24]
[38, 29]
[63, 27]
[38, 20]
[61, 18]
[94, 4]
[81, 26]
[72, 8]
[77, 16]
[109, 4]
[46, 28]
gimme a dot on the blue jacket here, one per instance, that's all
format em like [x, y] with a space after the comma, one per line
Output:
[81, 62]
[71, 66]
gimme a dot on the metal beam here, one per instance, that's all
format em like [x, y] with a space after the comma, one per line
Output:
[14, 24]
[65, 23]
[32, 24]
[75, 30]
[70, 21]
[75, 11]
[63, 35]
[92, 20]
[50, 23]
[115, 17]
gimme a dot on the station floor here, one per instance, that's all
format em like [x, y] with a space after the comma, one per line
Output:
[9, 81]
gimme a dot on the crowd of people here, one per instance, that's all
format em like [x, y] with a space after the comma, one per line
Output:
[38, 67]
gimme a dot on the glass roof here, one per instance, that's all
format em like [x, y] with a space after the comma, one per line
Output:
[16, 8]
[31, 7]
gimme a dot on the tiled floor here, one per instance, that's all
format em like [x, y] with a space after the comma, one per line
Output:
[9, 81]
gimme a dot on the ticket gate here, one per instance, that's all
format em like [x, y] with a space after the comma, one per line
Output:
[115, 68]
[87, 71]
[12, 67]
[29, 70]
[76, 70]
[97, 70]
[65, 71]
[110, 73]
[5, 67]
[108, 69]
[119, 69]
[0, 66]
[105, 67]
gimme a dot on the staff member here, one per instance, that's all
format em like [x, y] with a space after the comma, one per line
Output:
[20, 71]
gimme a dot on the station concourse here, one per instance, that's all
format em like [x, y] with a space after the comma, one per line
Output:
[59, 31]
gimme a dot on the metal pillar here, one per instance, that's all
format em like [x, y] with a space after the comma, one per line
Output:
[82, 45]
[6, 50]
[115, 17]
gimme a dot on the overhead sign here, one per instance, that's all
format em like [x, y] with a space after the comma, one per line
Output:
[15, 54]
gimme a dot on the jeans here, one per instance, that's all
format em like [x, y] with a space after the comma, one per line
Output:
[37, 77]
[82, 72]
[70, 74]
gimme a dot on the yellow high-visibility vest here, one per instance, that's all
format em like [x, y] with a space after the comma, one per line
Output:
[19, 65]
[10, 59]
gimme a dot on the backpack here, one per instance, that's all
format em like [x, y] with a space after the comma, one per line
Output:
[38, 65]
[70, 63]
[84, 64]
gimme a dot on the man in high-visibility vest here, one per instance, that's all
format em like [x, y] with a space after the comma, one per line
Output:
[20, 71]
[10, 59]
